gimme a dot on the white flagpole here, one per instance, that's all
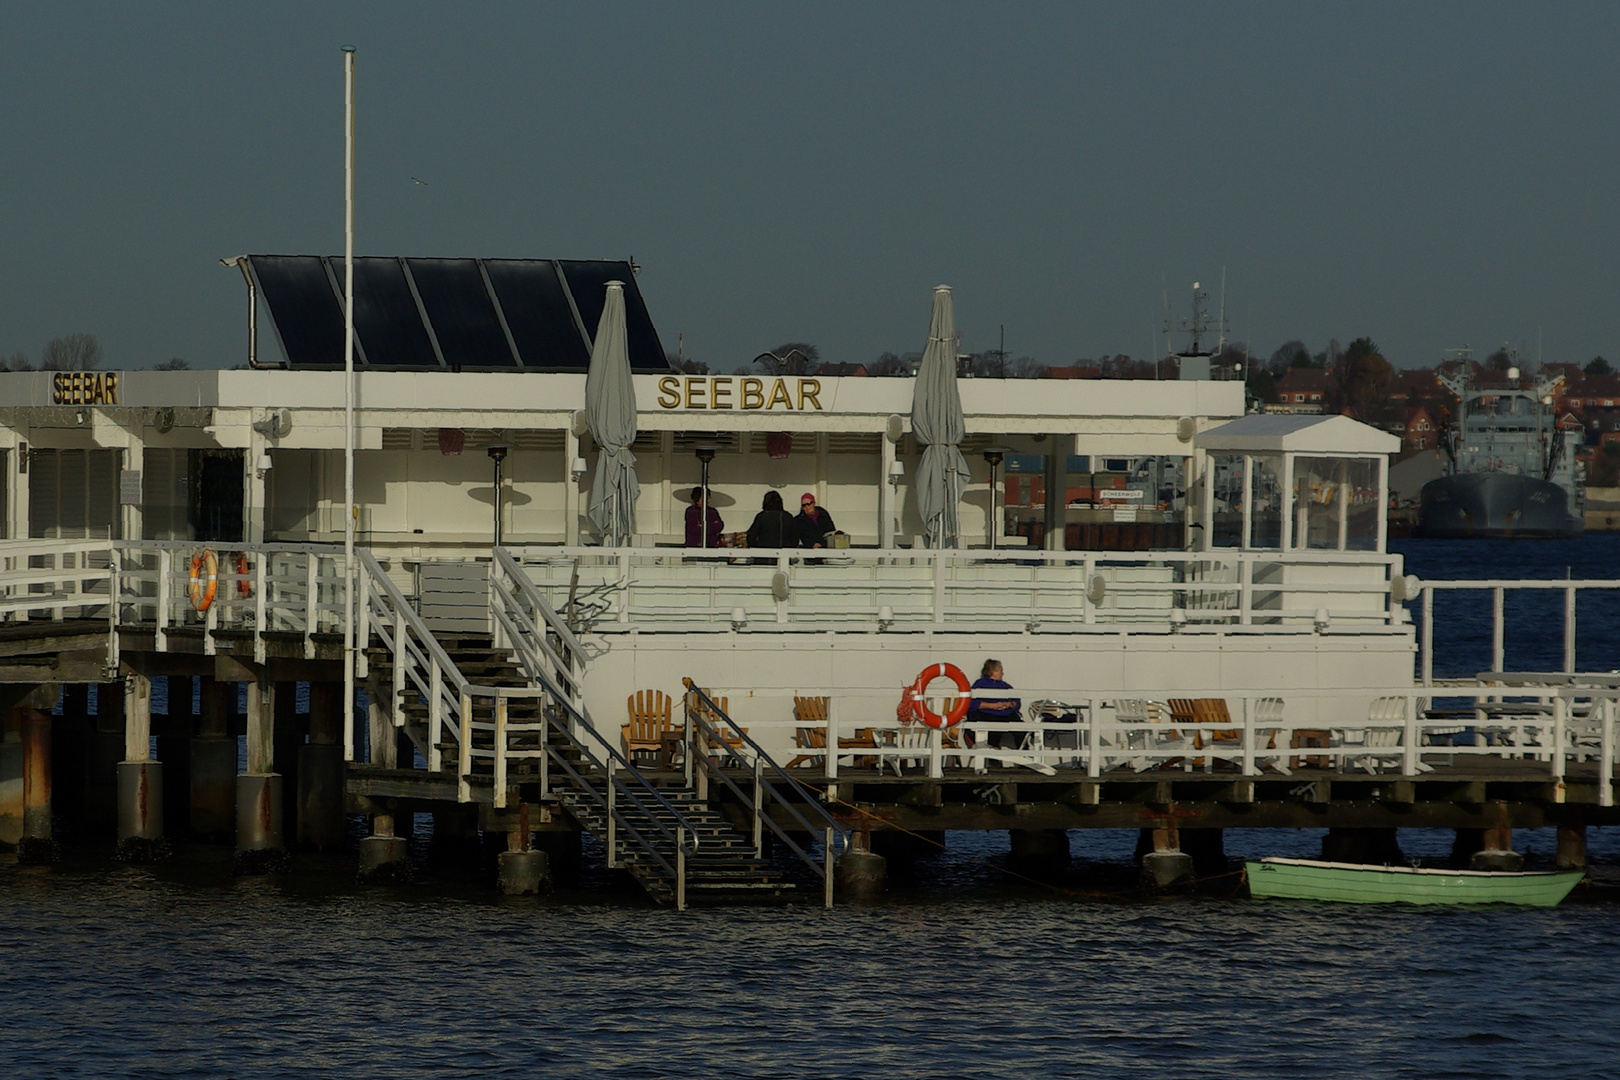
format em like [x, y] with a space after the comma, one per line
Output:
[348, 403]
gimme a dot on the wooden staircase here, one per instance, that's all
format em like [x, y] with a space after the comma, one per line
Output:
[721, 868]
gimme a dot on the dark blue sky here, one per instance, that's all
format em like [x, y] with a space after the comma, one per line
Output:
[1426, 174]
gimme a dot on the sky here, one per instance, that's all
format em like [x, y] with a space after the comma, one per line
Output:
[1427, 175]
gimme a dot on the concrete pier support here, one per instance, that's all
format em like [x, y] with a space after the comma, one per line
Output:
[11, 778]
[260, 843]
[1372, 847]
[140, 779]
[1048, 847]
[384, 857]
[1163, 861]
[213, 764]
[1496, 852]
[1572, 845]
[37, 844]
[321, 770]
[858, 874]
[520, 870]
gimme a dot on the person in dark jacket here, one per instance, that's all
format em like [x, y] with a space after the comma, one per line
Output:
[695, 515]
[773, 526]
[996, 710]
[814, 523]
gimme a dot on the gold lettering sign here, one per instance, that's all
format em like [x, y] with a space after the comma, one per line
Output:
[84, 388]
[746, 393]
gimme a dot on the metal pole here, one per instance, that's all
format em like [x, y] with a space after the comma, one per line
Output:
[348, 404]
[498, 463]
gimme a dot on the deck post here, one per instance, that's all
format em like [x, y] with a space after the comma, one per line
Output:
[858, 873]
[140, 779]
[1569, 628]
[1606, 710]
[320, 770]
[1428, 635]
[11, 777]
[1572, 842]
[37, 844]
[213, 763]
[260, 842]
[1498, 647]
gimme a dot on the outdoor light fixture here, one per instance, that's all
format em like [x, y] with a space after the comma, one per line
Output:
[897, 471]
[993, 456]
[578, 467]
[885, 617]
[1321, 620]
[497, 454]
[739, 618]
[1178, 619]
[705, 454]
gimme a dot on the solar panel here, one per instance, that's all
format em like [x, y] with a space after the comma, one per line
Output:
[429, 314]
[588, 282]
[304, 309]
[537, 312]
[387, 319]
[461, 313]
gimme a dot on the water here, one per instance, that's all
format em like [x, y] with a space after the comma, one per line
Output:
[963, 970]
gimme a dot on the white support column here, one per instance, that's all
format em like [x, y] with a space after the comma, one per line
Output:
[570, 488]
[253, 492]
[17, 486]
[1248, 502]
[261, 720]
[1383, 502]
[134, 461]
[1288, 503]
[885, 494]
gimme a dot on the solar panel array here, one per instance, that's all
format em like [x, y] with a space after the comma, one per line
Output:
[450, 314]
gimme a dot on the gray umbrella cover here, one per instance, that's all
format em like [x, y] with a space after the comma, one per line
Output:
[937, 423]
[610, 413]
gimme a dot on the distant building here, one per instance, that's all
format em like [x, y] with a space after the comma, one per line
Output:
[1300, 390]
[1417, 430]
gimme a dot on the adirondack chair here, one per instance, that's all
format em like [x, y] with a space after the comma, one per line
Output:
[1269, 711]
[724, 743]
[649, 722]
[1141, 711]
[1386, 727]
[813, 711]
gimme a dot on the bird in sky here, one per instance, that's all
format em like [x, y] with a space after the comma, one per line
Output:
[414, 180]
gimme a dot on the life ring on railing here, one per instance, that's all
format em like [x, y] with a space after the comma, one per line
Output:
[204, 580]
[244, 574]
[957, 711]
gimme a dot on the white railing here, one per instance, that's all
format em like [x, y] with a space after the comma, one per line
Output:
[258, 589]
[55, 579]
[1394, 732]
[1499, 588]
[622, 588]
[524, 622]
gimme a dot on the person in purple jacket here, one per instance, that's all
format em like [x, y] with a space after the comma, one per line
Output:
[996, 710]
[695, 516]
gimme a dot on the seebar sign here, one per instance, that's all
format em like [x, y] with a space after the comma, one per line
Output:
[84, 388]
[747, 393]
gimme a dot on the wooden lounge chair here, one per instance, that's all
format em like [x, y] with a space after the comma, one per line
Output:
[724, 743]
[649, 722]
[812, 711]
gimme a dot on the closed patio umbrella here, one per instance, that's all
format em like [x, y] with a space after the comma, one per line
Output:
[937, 423]
[610, 414]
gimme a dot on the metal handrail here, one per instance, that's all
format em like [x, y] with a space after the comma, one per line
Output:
[799, 789]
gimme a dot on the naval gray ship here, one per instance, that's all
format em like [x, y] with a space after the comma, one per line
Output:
[1511, 468]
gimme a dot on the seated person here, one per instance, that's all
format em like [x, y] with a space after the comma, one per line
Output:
[996, 710]
[695, 516]
[814, 523]
[773, 526]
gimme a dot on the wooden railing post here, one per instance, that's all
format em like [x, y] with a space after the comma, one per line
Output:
[500, 749]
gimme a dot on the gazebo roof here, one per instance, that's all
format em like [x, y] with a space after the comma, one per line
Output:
[1272, 433]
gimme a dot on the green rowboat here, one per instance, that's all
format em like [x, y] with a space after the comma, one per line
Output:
[1351, 883]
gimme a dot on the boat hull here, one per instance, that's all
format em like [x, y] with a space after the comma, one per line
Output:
[1348, 883]
[1494, 504]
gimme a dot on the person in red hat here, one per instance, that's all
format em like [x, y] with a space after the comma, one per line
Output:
[814, 523]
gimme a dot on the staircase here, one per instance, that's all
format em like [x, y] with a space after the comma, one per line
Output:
[644, 833]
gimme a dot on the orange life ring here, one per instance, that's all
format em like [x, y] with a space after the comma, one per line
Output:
[244, 574]
[204, 580]
[957, 711]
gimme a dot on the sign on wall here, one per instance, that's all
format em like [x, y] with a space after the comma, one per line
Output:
[84, 388]
[744, 392]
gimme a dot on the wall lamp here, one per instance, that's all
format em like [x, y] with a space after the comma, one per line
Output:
[739, 618]
[577, 468]
[897, 471]
[885, 617]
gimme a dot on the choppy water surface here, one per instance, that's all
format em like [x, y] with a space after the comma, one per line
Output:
[962, 971]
